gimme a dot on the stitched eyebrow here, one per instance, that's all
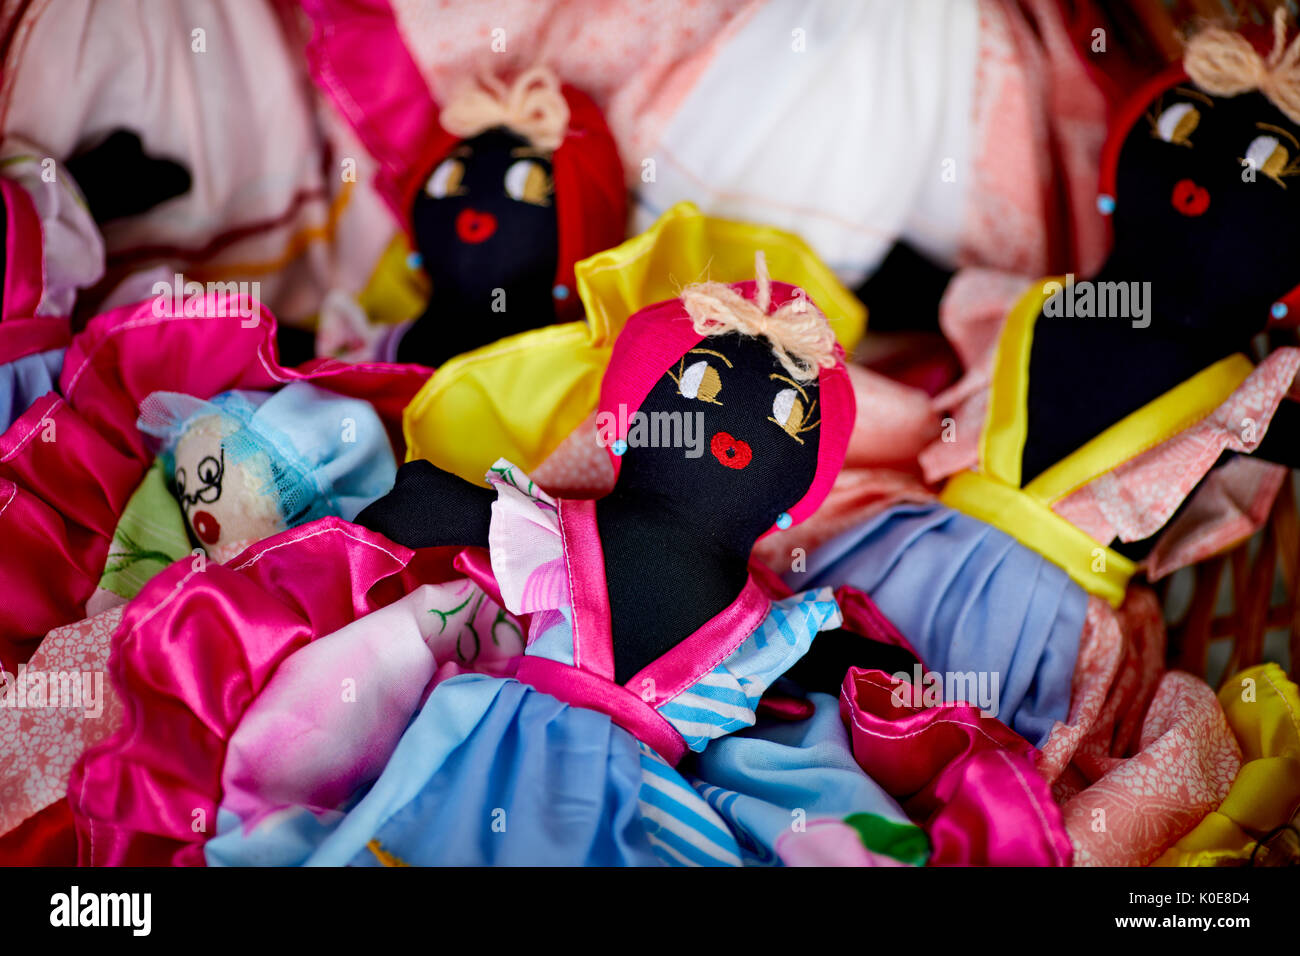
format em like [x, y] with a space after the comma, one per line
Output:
[530, 151]
[777, 375]
[1194, 94]
[460, 152]
[710, 352]
[1277, 129]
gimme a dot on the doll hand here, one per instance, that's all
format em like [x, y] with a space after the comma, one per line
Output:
[344, 331]
[429, 507]
[834, 652]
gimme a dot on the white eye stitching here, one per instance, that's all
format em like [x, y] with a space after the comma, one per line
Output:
[1167, 123]
[517, 178]
[689, 385]
[437, 185]
[783, 405]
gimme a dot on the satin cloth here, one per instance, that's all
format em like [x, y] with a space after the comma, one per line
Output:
[70, 462]
[967, 779]
[24, 380]
[969, 599]
[194, 650]
[1263, 709]
[792, 793]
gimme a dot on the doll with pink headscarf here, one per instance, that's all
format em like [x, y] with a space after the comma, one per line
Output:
[648, 636]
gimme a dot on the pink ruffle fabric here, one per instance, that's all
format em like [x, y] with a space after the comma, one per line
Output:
[1146, 753]
[69, 464]
[193, 652]
[969, 780]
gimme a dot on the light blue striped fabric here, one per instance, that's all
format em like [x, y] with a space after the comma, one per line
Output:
[683, 829]
[725, 700]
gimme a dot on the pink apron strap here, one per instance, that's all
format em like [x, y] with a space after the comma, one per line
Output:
[584, 558]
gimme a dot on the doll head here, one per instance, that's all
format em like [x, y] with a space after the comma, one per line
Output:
[247, 465]
[525, 181]
[1202, 178]
[751, 379]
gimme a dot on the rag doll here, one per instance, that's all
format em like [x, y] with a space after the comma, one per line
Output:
[645, 620]
[246, 465]
[1096, 427]
[521, 180]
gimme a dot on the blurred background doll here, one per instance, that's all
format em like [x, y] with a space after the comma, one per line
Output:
[520, 180]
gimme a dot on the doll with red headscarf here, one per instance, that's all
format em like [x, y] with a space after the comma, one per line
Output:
[1077, 454]
[519, 181]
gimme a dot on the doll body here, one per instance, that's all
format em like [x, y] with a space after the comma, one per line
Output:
[644, 619]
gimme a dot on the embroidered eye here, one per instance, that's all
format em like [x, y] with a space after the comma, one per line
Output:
[1175, 124]
[701, 381]
[1269, 156]
[787, 411]
[528, 181]
[209, 470]
[447, 179]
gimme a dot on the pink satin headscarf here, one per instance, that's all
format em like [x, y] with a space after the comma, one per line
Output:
[658, 335]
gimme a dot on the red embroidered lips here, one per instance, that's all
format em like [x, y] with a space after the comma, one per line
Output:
[1189, 198]
[731, 452]
[474, 227]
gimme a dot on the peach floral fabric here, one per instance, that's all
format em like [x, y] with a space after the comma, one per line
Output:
[39, 745]
[1146, 753]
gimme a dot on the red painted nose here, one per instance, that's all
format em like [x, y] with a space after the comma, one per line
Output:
[729, 451]
[206, 527]
[474, 226]
[1189, 198]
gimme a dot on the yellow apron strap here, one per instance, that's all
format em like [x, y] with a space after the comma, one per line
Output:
[1157, 421]
[994, 494]
[1002, 443]
[1095, 568]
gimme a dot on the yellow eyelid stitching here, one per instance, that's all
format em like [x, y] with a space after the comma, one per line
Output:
[1270, 128]
[777, 376]
[698, 351]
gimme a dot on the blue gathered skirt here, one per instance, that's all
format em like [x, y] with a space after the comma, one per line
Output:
[969, 598]
[493, 771]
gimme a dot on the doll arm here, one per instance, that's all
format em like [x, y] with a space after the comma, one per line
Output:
[834, 652]
[429, 507]
[1281, 443]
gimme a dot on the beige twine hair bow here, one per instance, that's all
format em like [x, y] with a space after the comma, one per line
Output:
[801, 339]
[533, 106]
[1224, 63]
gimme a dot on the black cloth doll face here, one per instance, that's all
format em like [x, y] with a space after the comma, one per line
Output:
[753, 435]
[485, 228]
[1208, 208]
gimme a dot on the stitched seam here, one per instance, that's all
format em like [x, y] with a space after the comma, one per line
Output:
[1033, 800]
[26, 439]
[573, 599]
